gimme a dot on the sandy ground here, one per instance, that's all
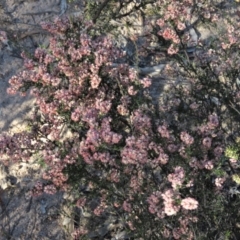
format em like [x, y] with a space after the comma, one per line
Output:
[21, 216]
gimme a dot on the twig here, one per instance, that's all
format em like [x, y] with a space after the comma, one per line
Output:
[24, 35]
[146, 70]
[232, 106]
[39, 13]
[63, 7]
[1, 201]
[99, 10]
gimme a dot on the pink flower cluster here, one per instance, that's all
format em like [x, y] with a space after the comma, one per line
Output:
[186, 138]
[169, 201]
[164, 131]
[135, 151]
[213, 121]
[3, 37]
[61, 24]
[141, 121]
[177, 177]
[171, 207]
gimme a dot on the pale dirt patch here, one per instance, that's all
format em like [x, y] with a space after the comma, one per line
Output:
[23, 217]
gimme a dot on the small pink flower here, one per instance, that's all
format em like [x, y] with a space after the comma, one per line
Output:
[160, 22]
[177, 233]
[146, 82]
[186, 138]
[170, 208]
[3, 37]
[131, 226]
[163, 131]
[169, 195]
[177, 177]
[213, 121]
[98, 211]
[189, 203]
[122, 110]
[208, 165]
[219, 182]
[95, 81]
[131, 91]
[193, 162]
[172, 148]
[81, 202]
[163, 158]
[116, 138]
[214, 18]
[232, 160]
[194, 106]
[172, 50]
[114, 176]
[127, 206]
[181, 26]
[237, 95]
[207, 142]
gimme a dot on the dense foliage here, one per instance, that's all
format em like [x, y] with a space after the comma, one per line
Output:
[166, 172]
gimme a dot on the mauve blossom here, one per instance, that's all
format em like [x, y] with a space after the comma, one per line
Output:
[194, 106]
[177, 177]
[160, 22]
[181, 26]
[168, 195]
[170, 208]
[127, 206]
[55, 81]
[163, 158]
[122, 110]
[177, 233]
[131, 91]
[131, 226]
[213, 121]
[154, 198]
[99, 210]
[208, 165]
[207, 142]
[50, 189]
[186, 138]
[78, 232]
[182, 151]
[172, 148]
[172, 50]
[103, 106]
[232, 160]
[168, 34]
[3, 37]
[114, 176]
[38, 189]
[219, 182]
[193, 162]
[189, 203]
[160, 213]
[95, 81]
[146, 82]
[163, 131]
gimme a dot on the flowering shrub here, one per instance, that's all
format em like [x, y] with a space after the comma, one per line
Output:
[161, 170]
